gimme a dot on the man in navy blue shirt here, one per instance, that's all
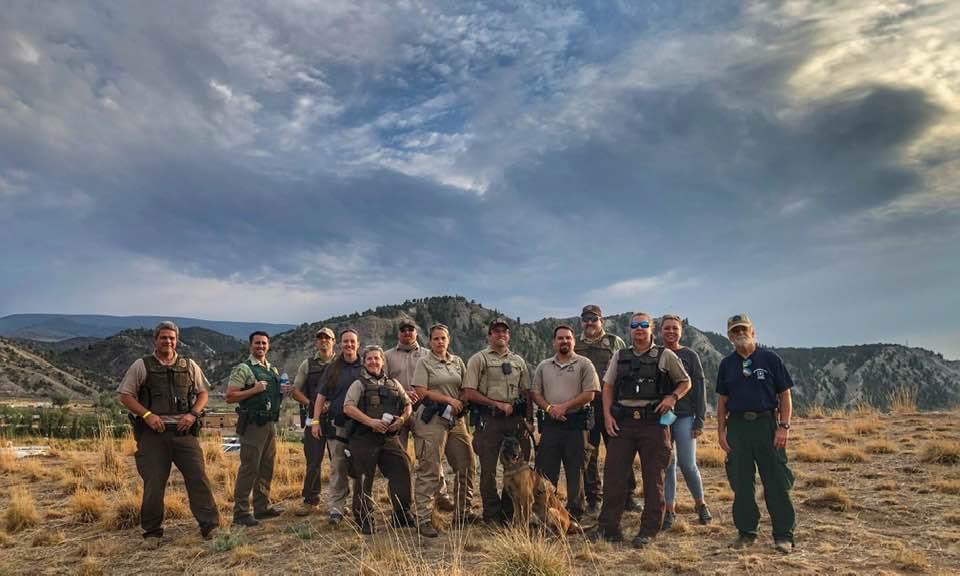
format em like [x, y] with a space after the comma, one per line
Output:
[753, 424]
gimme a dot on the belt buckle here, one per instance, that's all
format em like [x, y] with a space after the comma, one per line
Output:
[637, 415]
[750, 416]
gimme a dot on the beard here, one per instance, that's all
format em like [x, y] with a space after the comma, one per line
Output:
[564, 349]
[742, 340]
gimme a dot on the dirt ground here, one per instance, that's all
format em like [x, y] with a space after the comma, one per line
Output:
[875, 494]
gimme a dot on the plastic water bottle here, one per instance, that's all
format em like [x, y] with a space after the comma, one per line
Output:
[284, 383]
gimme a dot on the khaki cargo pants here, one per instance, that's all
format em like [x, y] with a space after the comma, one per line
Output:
[432, 441]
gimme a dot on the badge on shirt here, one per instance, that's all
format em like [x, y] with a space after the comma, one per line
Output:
[760, 373]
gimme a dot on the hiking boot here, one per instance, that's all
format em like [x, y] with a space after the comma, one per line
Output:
[743, 541]
[335, 518]
[268, 513]
[783, 546]
[641, 541]
[445, 504]
[248, 521]
[427, 530]
[404, 520]
[668, 518]
[703, 514]
[598, 534]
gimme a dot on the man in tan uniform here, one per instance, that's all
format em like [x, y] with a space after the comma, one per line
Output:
[305, 386]
[563, 387]
[439, 428]
[165, 395]
[497, 383]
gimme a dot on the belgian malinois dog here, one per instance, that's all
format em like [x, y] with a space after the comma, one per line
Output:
[534, 497]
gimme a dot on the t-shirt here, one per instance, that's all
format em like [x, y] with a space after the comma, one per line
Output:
[752, 384]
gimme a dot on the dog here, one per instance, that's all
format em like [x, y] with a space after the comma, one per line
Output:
[534, 496]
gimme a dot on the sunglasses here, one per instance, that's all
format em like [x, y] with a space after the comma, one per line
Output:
[747, 371]
[408, 329]
[589, 318]
[634, 324]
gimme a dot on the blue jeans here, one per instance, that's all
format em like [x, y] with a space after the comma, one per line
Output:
[686, 452]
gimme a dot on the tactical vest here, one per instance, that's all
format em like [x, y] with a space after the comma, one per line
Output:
[599, 352]
[639, 377]
[168, 390]
[380, 399]
[265, 405]
[315, 368]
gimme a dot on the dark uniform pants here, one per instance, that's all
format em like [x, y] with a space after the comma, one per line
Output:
[559, 445]
[652, 441]
[258, 449]
[592, 485]
[313, 449]
[487, 441]
[752, 450]
[368, 451]
[155, 453]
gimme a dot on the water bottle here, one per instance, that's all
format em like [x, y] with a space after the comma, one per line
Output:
[284, 383]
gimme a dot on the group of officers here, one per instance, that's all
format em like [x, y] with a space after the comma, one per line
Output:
[362, 407]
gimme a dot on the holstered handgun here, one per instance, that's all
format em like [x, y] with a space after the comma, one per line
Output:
[243, 420]
[138, 425]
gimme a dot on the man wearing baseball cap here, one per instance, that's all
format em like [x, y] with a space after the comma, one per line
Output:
[305, 392]
[497, 383]
[753, 424]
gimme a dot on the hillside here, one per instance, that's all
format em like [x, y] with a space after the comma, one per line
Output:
[24, 373]
[54, 327]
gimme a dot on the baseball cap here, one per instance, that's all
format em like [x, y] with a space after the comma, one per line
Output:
[405, 323]
[591, 309]
[498, 321]
[326, 331]
[740, 319]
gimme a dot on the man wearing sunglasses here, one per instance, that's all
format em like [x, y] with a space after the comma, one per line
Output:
[641, 385]
[753, 423]
[599, 346]
[401, 363]
[497, 383]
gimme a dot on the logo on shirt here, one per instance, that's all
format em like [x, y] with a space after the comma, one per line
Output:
[760, 373]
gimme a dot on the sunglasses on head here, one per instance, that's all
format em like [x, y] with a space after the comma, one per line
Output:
[634, 324]
[589, 318]
[745, 366]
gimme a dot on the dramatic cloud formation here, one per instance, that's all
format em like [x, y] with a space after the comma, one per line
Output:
[292, 160]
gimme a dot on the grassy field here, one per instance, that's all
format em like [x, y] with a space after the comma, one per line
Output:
[875, 493]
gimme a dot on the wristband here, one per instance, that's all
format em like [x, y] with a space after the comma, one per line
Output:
[146, 414]
[195, 414]
[549, 406]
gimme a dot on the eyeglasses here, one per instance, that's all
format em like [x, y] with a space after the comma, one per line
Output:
[634, 324]
[324, 337]
[589, 318]
[746, 366]
[408, 329]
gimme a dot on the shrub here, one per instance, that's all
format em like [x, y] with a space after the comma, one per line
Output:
[946, 452]
[88, 505]
[516, 553]
[21, 511]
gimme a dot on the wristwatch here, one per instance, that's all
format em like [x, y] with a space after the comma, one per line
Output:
[195, 414]
[784, 425]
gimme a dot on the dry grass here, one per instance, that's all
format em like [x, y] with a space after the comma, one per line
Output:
[175, 505]
[88, 505]
[516, 553]
[819, 481]
[903, 400]
[8, 461]
[809, 451]
[882, 446]
[43, 538]
[909, 560]
[33, 469]
[90, 566]
[21, 511]
[5, 540]
[124, 510]
[835, 499]
[952, 518]
[947, 486]
[850, 454]
[710, 456]
[866, 426]
[816, 411]
[946, 452]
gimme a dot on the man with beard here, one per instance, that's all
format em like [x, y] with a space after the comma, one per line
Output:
[753, 424]
[599, 346]
[305, 385]
[497, 383]
[562, 387]
[166, 395]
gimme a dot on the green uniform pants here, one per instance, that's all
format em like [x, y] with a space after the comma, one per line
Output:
[258, 449]
[752, 450]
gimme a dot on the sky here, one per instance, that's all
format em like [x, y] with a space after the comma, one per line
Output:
[293, 160]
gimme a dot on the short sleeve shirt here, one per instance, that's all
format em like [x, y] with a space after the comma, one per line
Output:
[304, 369]
[487, 374]
[444, 375]
[400, 364]
[136, 375]
[668, 363]
[753, 384]
[242, 375]
[559, 382]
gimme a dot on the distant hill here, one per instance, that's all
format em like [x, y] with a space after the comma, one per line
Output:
[55, 327]
[832, 377]
[24, 373]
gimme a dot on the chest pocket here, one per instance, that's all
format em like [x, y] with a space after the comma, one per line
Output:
[503, 378]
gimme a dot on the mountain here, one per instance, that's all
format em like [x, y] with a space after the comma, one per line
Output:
[25, 373]
[54, 327]
[104, 362]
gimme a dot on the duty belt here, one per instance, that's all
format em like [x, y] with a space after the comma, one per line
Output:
[751, 416]
[648, 412]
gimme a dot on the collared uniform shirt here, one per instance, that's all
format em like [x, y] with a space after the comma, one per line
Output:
[486, 375]
[559, 382]
[242, 375]
[668, 362]
[400, 364]
[136, 375]
[444, 375]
